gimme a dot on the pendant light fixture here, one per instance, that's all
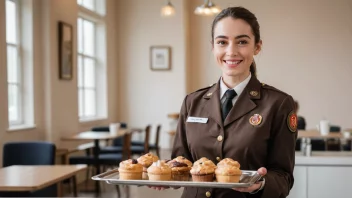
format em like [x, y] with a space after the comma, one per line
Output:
[207, 9]
[168, 10]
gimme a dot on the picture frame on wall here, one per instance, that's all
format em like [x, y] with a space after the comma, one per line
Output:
[65, 43]
[160, 58]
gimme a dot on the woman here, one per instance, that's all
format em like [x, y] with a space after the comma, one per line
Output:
[239, 117]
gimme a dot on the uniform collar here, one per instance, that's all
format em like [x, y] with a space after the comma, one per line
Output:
[251, 88]
[243, 105]
[238, 89]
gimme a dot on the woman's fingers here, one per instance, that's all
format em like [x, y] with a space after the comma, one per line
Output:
[158, 187]
[249, 189]
[262, 171]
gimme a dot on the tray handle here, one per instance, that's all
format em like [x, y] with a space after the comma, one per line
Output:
[251, 179]
[102, 175]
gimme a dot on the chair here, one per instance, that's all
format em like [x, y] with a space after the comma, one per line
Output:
[142, 149]
[117, 144]
[334, 144]
[154, 146]
[30, 153]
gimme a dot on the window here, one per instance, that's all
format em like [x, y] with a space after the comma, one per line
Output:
[89, 4]
[19, 55]
[91, 61]
[14, 77]
[87, 93]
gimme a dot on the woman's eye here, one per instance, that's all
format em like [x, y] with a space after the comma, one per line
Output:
[242, 42]
[221, 42]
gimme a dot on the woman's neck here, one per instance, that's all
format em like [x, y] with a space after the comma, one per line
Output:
[233, 81]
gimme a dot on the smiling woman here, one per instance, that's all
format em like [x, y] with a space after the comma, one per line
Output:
[246, 120]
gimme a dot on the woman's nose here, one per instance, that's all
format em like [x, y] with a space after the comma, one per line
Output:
[231, 50]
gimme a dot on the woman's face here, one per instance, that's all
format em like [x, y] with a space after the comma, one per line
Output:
[234, 47]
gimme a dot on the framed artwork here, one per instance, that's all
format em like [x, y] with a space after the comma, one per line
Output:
[65, 50]
[160, 58]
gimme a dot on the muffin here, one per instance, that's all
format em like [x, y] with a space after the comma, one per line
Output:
[203, 170]
[180, 167]
[159, 171]
[130, 170]
[147, 160]
[228, 170]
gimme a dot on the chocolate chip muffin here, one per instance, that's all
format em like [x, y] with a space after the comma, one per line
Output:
[203, 170]
[130, 170]
[180, 167]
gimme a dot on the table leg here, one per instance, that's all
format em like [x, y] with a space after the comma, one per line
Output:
[97, 165]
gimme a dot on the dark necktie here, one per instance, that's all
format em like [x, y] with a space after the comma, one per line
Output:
[227, 105]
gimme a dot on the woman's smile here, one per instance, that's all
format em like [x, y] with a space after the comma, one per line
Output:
[232, 63]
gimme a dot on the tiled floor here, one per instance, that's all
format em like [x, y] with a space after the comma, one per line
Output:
[109, 191]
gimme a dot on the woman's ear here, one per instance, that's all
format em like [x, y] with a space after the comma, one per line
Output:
[258, 47]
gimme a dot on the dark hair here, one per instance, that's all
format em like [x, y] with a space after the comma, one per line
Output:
[246, 15]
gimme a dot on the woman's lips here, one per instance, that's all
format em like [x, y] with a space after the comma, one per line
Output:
[232, 63]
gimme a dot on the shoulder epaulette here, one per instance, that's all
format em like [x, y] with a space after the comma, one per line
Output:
[205, 87]
[265, 86]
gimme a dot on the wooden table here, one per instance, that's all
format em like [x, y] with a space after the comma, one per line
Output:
[22, 178]
[314, 134]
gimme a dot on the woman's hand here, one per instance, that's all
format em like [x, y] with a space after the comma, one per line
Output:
[162, 187]
[158, 187]
[262, 171]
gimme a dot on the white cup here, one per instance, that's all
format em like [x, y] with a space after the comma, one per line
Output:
[324, 127]
[346, 134]
[114, 128]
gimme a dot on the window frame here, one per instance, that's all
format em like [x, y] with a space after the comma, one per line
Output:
[98, 19]
[19, 84]
[83, 56]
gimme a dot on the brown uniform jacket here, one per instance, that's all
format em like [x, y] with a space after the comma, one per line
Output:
[270, 144]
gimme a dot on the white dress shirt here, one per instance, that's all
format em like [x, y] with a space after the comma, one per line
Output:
[238, 89]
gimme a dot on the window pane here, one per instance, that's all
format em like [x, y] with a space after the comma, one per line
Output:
[11, 19]
[80, 72]
[90, 4]
[80, 103]
[89, 73]
[89, 103]
[12, 66]
[88, 36]
[80, 35]
[80, 2]
[13, 97]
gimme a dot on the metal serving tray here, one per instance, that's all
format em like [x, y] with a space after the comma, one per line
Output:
[248, 178]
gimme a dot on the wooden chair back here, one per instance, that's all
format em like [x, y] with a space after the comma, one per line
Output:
[157, 135]
[146, 138]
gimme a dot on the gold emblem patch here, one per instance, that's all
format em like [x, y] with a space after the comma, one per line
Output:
[253, 93]
[255, 120]
[292, 121]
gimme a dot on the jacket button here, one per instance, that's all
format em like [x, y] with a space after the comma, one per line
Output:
[208, 194]
[219, 138]
[218, 158]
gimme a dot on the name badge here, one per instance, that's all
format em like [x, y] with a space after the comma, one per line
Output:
[197, 119]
